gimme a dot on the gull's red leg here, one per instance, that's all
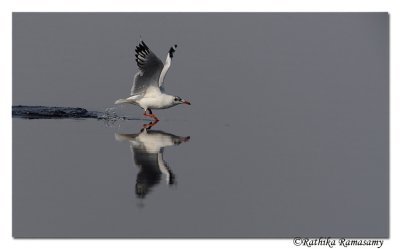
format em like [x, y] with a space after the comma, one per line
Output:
[148, 115]
[155, 117]
[151, 115]
[151, 124]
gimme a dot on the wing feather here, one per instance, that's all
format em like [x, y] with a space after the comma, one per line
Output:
[150, 67]
[167, 64]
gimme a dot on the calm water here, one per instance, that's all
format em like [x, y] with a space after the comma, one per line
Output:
[288, 127]
[74, 178]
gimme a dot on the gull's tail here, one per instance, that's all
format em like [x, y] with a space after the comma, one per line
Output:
[121, 101]
[129, 100]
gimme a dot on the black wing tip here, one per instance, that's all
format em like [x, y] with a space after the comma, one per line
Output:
[144, 45]
[141, 49]
[172, 50]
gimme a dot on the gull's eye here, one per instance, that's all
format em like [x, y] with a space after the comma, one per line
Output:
[176, 99]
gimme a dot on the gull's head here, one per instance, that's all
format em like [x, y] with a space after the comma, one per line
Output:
[178, 140]
[178, 100]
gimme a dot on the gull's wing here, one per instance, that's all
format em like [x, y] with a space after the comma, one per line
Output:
[149, 174]
[150, 67]
[164, 168]
[167, 64]
[145, 160]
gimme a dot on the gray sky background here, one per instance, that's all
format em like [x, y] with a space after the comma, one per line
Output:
[87, 59]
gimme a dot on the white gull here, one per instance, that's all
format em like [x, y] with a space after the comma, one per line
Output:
[147, 90]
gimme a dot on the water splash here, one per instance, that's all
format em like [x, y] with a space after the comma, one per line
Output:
[111, 117]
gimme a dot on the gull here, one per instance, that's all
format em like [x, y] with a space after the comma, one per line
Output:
[148, 84]
[147, 149]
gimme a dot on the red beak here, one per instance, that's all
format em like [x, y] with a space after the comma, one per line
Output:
[186, 102]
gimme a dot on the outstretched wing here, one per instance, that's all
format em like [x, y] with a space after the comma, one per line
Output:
[150, 67]
[167, 64]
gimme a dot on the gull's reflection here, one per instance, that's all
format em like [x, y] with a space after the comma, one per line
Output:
[147, 150]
